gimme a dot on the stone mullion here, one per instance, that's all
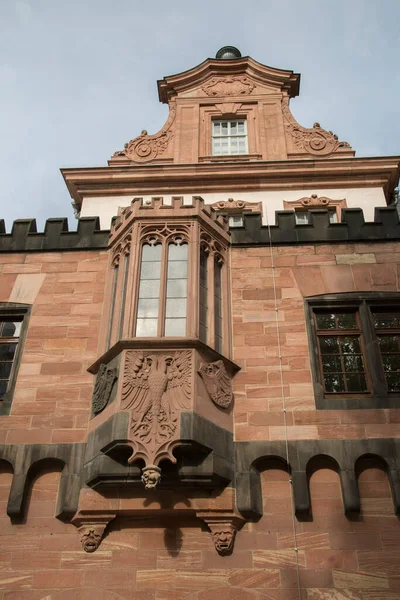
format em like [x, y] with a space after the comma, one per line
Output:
[193, 285]
[163, 290]
[132, 286]
[211, 300]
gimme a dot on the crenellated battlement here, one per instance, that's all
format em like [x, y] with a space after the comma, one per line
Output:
[353, 228]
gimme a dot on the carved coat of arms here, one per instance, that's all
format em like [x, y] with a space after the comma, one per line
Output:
[105, 379]
[218, 383]
[156, 387]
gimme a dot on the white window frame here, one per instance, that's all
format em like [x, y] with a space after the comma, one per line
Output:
[303, 217]
[229, 137]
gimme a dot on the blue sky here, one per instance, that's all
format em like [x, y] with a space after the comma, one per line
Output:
[78, 77]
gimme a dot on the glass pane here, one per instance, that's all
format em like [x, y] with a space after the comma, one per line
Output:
[5, 369]
[177, 269]
[353, 364]
[242, 145]
[329, 345]
[346, 321]
[216, 128]
[151, 253]
[146, 327]
[224, 128]
[388, 343]
[350, 345]
[234, 127]
[356, 383]
[241, 128]
[302, 218]
[325, 321]
[149, 288]
[175, 327]
[148, 308]
[175, 307]
[11, 328]
[3, 388]
[150, 270]
[331, 364]
[177, 288]
[387, 320]
[393, 381]
[391, 362]
[334, 383]
[176, 252]
[332, 216]
[7, 351]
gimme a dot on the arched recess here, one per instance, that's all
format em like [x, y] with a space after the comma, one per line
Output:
[42, 488]
[377, 483]
[324, 485]
[6, 477]
[276, 492]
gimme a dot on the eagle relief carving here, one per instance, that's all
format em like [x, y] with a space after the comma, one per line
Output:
[218, 383]
[105, 380]
[156, 388]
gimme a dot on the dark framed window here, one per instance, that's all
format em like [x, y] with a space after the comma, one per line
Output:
[355, 350]
[13, 325]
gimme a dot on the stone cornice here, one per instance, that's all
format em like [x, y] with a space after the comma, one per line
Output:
[158, 179]
[280, 79]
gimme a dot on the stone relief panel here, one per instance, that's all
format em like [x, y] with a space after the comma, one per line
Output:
[218, 383]
[105, 379]
[316, 140]
[234, 85]
[156, 388]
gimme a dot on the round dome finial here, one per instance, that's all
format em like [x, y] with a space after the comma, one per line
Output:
[228, 53]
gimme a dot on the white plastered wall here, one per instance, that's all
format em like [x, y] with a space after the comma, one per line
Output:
[366, 198]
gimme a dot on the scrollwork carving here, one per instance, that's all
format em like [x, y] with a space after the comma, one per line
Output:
[218, 383]
[313, 200]
[156, 388]
[234, 85]
[316, 141]
[145, 148]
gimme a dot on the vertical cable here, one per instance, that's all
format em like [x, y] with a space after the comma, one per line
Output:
[296, 550]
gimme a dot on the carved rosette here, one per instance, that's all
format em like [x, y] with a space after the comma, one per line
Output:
[234, 85]
[316, 141]
[157, 387]
[145, 148]
[218, 383]
[105, 379]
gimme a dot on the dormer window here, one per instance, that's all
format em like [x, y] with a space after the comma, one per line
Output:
[229, 137]
[303, 217]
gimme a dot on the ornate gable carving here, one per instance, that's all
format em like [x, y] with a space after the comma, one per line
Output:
[316, 140]
[236, 206]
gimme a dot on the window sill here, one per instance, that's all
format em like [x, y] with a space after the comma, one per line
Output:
[230, 158]
[357, 403]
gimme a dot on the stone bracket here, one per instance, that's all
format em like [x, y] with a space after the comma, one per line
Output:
[223, 527]
[91, 529]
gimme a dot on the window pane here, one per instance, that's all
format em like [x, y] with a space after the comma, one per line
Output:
[150, 270]
[177, 269]
[387, 320]
[332, 216]
[11, 328]
[224, 128]
[353, 363]
[3, 388]
[7, 351]
[149, 288]
[216, 128]
[350, 345]
[175, 307]
[331, 363]
[334, 383]
[151, 253]
[388, 343]
[175, 327]
[148, 308]
[391, 362]
[325, 321]
[356, 383]
[146, 327]
[233, 127]
[241, 128]
[302, 218]
[5, 370]
[177, 288]
[176, 252]
[346, 321]
[393, 381]
[329, 345]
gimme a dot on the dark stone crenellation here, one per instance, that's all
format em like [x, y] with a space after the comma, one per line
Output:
[353, 228]
[24, 236]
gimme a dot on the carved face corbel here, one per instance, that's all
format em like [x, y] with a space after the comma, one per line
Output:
[91, 536]
[223, 535]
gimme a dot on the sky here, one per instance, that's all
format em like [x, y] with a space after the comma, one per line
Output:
[78, 78]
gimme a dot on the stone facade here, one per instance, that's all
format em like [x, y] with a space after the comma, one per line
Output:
[209, 464]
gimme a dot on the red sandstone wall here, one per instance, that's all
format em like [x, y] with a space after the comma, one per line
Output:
[339, 559]
[52, 397]
[300, 271]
